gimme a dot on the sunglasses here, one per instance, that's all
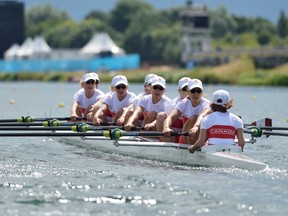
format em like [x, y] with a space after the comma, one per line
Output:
[91, 82]
[121, 86]
[198, 90]
[185, 88]
[158, 87]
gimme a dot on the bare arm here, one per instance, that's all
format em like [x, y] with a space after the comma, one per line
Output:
[200, 142]
[73, 111]
[240, 137]
[196, 126]
[134, 117]
[171, 118]
[99, 115]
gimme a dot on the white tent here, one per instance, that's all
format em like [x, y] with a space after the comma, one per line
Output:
[26, 48]
[33, 48]
[40, 45]
[11, 53]
[101, 43]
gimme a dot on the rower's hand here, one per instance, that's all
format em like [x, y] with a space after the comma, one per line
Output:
[74, 117]
[193, 131]
[88, 109]
[128, 127]
[120, 121]
[191, 149]
[97, 121]
[149, 127]
[167, 132]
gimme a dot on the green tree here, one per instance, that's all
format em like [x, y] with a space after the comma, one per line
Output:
[282, 25]
[264, 37]
[154, 35]
[99, 15]
[125, 11]
[40, 18]
[221, 23]
[86, 29]
[61, 36]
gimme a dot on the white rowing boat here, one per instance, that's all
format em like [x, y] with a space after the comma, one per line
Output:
[209, 156]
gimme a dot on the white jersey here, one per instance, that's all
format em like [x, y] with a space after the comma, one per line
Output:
[221, 127]
[147, 104]
[187, 110]
[137, 98]
[115, 104]
[171, 105]
[85, 102]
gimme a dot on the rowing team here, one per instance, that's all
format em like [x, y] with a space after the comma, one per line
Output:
[206, 122]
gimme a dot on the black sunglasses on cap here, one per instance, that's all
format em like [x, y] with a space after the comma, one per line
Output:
[91, 81]
[158, 87]
[121, 86]
[185, 88]
[198, 90]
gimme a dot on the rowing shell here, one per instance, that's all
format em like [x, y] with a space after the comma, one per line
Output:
[208, 156]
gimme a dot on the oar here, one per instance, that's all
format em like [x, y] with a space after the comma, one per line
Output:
[62, 128]
[274, 128]
[274, 133]
[116, 134]
[45, 124]
[52, 123]
[75, 128]
[31, 119]
[52, 134]
[258, 132]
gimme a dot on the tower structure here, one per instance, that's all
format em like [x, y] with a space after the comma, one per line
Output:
[11, 24]
[195, 32]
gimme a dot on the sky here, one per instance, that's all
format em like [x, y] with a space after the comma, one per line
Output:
[78, 9]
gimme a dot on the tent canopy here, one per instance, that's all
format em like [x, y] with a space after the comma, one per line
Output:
[30, 47]
[101, 43]
[12, 52]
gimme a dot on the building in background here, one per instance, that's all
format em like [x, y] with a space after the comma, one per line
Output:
[195, 32]
[11, 24]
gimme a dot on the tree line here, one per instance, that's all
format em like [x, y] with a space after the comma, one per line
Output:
[137, 27]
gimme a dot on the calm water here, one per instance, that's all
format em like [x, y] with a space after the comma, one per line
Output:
[42, 176]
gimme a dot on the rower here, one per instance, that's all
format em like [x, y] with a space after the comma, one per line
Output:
[149, 105]
[221, 126]
[177, 124]
[87, 100]
[192, 109]
[118, 103]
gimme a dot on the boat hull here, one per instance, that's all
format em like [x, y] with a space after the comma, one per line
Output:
[209, 156]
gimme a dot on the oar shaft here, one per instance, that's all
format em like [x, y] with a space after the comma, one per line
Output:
[46, 134]
[58, 128]
[31, 119]
[274, 128]
[274, 133]
[152, 133]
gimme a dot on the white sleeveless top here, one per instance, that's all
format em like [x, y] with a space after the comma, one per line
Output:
[221, 127]
[115, 104]
[147, 104]
[187, 110]
[85, 102]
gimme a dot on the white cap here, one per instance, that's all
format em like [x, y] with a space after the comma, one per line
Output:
[89, 76]
[195, 83]
[120, 79]
[158, 81]
[148, 79]
[221, 97]
[183, 82]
